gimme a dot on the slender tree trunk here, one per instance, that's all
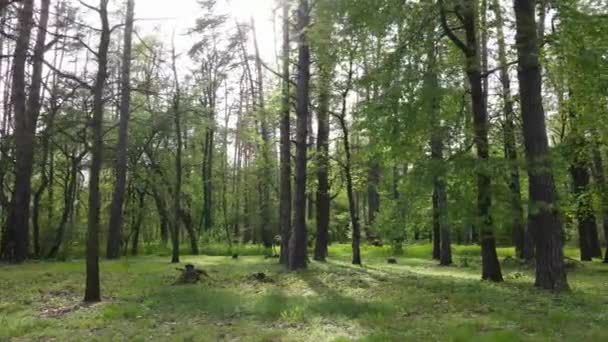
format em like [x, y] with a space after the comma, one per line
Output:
[285, 188]
[163, 215]
[92, 291]
[138, 221]
[266, 170]
[298, 240]
[545, 222]
[116, 211]
[177, 193]
[510, 143]
[15, 246]
[323, 197]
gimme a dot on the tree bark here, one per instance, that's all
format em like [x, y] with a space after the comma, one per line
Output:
[285, 187]
[323, 197]
[490, 265]
[15, 242]
[298, 240]
[510, 144]
[545, 222]
[116, 211]
[177, 193]
[92, 290]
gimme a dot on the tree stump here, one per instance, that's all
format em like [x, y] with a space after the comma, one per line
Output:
[189, 275]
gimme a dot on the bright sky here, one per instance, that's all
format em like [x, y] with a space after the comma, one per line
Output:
[180, 15]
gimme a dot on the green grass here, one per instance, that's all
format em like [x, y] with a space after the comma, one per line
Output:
[333, 301]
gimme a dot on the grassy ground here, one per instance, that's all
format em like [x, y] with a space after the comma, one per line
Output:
[413, 300]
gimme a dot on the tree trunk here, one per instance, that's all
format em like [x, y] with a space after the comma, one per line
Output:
[266, 170]
[490, 265]
[323, 197]
[285, 188]
[545, 222]
[116, 211]
[15, 244]
[138, 221]
[177, 193]
[599, 176]
[510, 143]
[92, 291]
[298, 240]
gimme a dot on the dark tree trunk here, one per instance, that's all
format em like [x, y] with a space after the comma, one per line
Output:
[15, 242]
[138, 221]
[163, 215]
[584, 210]
[441, 229]
[186, 219]
[69, 196]
[34, 102]
[510, 143]
[600, 180]
[116, 211]
[323, 197]
[177, 193]
[373, 197]
[544, 219]
[298, 240]
[92, 291]
[285, 190]
[490, 265]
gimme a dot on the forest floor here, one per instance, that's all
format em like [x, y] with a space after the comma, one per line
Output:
[334, 301]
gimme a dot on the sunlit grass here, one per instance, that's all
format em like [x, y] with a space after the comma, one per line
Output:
[334, 301]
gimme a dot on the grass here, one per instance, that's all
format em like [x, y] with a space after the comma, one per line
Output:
[333, 301]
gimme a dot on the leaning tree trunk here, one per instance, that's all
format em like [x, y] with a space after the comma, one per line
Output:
[298, 240]
[92, 291]
[285, 188]
[545, 221]
[15, 243]
[118, 197]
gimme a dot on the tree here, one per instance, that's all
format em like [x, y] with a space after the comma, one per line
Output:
[285, 158]
[92, 290]
[546, 224]
[470, 48]
[298, 240]
[15, 240]
[116, 213]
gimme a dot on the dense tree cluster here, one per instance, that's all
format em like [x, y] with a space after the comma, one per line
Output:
[382, 121]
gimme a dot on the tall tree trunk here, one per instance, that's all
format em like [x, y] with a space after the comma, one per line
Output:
[490, 265]
[510, 143]
[545, 222]
[92, 290]
[163, 215]
[441, 229]
[323, 197]
[285, 188]
[298, 240]
[266, 170]
[116, 211]
[177, 193]
[15, 244]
